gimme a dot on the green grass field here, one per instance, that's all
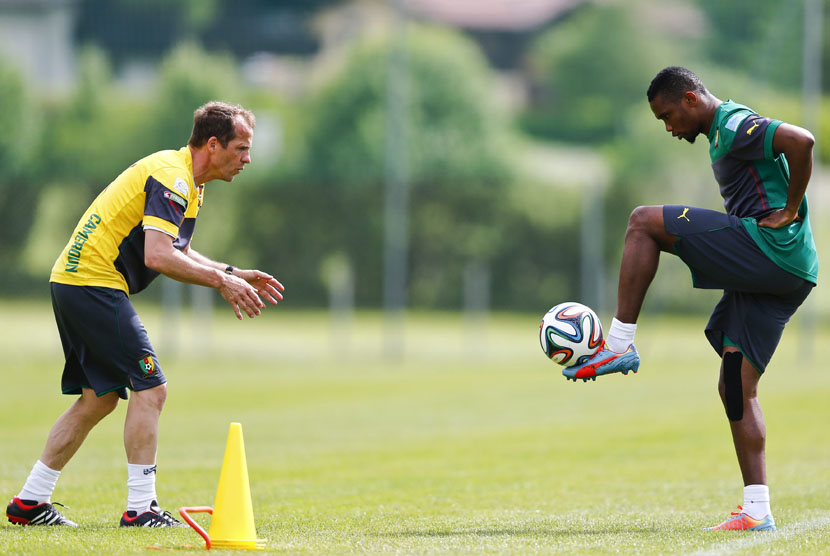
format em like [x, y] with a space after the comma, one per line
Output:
[473, 443]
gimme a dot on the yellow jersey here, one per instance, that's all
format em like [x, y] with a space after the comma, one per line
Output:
[107, 247]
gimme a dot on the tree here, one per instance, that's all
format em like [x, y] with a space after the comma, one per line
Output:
[89, 137]
[189, 78]
[761, 37]
[457, 171]
[587, 70]
[18, 144]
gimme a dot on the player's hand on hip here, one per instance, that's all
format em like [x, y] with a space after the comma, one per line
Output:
[266, 285]
[779, 218]
[241, 295]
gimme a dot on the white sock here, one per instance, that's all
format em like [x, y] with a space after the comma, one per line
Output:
[756, 501]
[620, 336]
[41, 483]
[141, 487]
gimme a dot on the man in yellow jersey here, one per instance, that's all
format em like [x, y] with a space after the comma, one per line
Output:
[140, 226]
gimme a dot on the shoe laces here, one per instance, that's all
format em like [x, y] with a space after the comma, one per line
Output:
[168, 517]
[740, 510]
[61, 505]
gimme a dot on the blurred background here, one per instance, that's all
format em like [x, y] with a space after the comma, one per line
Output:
[429, 177]
[465, 156]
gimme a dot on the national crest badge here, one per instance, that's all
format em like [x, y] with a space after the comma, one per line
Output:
[148, 366]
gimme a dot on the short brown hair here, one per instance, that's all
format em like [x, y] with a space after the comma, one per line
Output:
[217, 119]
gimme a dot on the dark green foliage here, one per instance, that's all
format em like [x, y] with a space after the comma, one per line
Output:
[761, 37]
[587, 71]
[17, 191]
[320, 195]
[451, 131]
[333, 204]
[190, 77]
[89, 139]
[15, 121]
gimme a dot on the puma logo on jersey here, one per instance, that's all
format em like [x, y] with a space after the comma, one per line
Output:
[683, 215]
[750, 130]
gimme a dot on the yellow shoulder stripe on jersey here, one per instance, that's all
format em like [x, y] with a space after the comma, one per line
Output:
[161, 224]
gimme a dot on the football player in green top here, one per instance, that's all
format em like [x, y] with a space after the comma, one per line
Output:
[760, 252]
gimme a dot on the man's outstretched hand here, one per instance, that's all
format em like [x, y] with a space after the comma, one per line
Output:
[266, 285]
[244, 288]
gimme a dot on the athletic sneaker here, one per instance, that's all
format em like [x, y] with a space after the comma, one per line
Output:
[605, 362]
[154, 517]
[29, 512]
[742, 522]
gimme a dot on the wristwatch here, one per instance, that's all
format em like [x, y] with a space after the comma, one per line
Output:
[229, 269]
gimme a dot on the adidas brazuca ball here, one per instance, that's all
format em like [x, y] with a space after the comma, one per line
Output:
[570, 333]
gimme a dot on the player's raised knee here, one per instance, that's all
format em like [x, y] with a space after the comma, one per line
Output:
[644, 218]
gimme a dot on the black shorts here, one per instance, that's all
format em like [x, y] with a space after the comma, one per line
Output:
[105, 343]
[759, 296]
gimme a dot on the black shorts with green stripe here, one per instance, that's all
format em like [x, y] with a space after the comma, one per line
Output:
[104, 341]
[759, 297]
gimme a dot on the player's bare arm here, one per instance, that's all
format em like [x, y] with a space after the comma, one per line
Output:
[796, 144]
[161, 256]
[266, 285]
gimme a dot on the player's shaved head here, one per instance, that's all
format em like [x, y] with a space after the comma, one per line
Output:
[672, 82]
[218, 119]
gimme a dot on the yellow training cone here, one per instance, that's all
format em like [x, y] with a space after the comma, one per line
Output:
[232, 525]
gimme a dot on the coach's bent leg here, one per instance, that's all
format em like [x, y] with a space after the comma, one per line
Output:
[72, 428]
[142, 424]
[750, 432]
[645, 237]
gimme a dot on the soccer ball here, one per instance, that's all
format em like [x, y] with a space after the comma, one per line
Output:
[570, 333]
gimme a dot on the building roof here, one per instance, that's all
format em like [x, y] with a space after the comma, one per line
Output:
[497, 15]
[35, 4]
